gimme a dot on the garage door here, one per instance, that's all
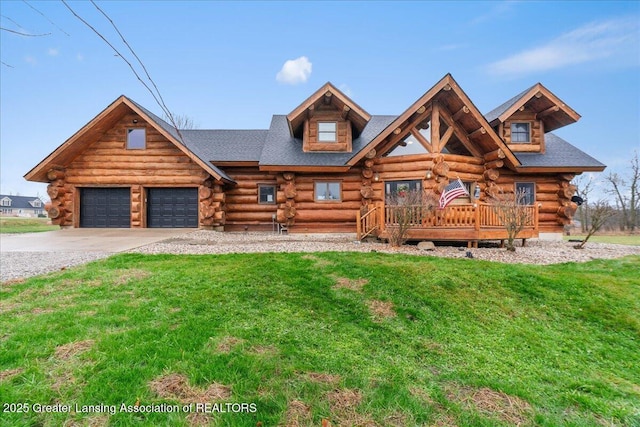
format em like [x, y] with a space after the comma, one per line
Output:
[172, 207]
[105, 207]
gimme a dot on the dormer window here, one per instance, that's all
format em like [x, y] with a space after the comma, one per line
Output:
[327, 132]
[5, 202]
[37, 203]
[520, 133]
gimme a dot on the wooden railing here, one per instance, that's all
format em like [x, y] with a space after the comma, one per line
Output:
[368, 223]
[453, 216]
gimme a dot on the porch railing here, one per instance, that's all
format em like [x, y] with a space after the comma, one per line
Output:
[453, 216]
[367, 223]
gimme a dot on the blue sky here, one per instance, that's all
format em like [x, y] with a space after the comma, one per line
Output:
[224, 64]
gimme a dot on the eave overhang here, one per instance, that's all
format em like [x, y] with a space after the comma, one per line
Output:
[553, 112]
[458, 107]
[328, 94]
[89, 133]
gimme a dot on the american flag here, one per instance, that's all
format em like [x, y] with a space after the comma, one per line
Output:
[452, 191]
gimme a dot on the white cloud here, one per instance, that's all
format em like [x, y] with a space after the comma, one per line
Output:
[30, 60]
[617, 38]
[53, 51]
[295, 71]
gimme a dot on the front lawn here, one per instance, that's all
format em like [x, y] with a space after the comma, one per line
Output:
[294, 339]
[25, 225]
[618, 239]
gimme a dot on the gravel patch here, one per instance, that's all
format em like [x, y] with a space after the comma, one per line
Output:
[18, 265]
[535, 251]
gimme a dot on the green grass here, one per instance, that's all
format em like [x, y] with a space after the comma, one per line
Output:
[25, 225]
[472, 343]
[633, 240]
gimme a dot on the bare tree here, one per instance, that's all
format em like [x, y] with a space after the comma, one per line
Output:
[182, 121]
[627, 194]
[514, 214]
[584, 187]
[406, 210]
[600, 213]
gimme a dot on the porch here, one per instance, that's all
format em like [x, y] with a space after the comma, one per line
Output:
[464, 222]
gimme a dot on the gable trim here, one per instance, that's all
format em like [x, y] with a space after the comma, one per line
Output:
[539, 90]
[425, 102]
[38, 173]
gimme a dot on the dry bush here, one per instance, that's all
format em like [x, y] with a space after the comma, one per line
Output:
[513, 213]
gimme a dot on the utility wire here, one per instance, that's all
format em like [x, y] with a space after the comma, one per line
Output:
[45, 17]
[161, 100]
[157, 97]
[24, 34]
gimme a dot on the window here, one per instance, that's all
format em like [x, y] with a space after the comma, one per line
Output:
[402, 188]
[37, 203]
[5, 202]
[327, 131]
[520, 133]
[528, 189]
[136, 139]
[328, 191]
[267, 194]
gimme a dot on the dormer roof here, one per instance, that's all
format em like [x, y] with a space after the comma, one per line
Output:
[540, 100]
[328, 94]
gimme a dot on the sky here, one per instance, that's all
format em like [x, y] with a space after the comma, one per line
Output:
[232, 65]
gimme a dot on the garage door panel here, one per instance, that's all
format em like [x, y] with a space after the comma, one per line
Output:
[172, 207]
[105, 207]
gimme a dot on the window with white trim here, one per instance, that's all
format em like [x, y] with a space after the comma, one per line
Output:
[327, 132]
[5, 202]
[521, 133]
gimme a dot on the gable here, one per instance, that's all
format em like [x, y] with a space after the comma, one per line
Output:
[328, 98]
[540, 101]
[102, 123]
[455, 125]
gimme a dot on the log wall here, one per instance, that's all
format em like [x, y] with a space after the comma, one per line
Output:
[553, 192]
[536, 132]
[327, 216]
[327, 114]
[108, 163]
[242, 208]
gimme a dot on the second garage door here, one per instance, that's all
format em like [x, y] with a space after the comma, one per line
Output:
[172, 207]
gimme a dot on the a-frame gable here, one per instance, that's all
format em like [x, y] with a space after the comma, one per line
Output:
[83, 138]
[452, 118]
[547, 107]
[328, 94]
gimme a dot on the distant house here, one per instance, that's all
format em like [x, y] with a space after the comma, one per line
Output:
[328, 166]
[21, 206]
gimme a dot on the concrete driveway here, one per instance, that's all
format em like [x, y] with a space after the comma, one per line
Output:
[86, 239]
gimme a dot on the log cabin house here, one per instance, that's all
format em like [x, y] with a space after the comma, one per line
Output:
[328, 166]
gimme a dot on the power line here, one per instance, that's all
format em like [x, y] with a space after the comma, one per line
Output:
[45, 17]
[157, 97]
[20, 33]
[161, 100]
